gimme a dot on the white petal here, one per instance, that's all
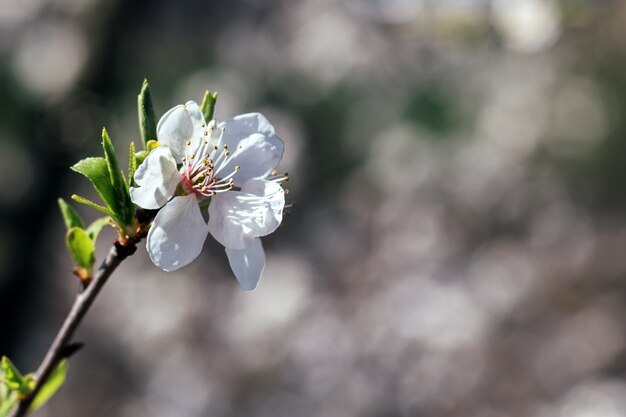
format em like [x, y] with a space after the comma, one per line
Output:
[256, 210]
[177, 234]
[156, 179]
[257, 149]
[247, 263]
[180, 124]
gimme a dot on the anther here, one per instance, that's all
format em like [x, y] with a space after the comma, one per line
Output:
[287, 191]
[223, 129]
[206, 133]
[225, 146]
[274, 172]
[188, 143]
[227, 153]
[237, 167]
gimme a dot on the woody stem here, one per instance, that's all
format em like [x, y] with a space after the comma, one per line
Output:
[59, 348]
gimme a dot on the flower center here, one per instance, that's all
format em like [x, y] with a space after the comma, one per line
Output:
[203, 169]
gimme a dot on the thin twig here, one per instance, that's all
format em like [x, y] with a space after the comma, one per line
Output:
[83, 301]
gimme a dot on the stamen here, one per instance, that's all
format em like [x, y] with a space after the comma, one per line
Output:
[279, 179]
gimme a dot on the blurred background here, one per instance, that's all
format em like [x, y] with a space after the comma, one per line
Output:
[458, 247]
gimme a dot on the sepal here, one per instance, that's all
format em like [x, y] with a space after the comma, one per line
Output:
[147, 119]
[208, 105]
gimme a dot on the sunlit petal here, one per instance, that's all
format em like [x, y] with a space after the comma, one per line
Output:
[156, 179]
[177, 234]
[256, 210]
[247, 263]
[256, 148]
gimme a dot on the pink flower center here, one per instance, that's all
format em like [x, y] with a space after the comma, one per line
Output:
[203, 171]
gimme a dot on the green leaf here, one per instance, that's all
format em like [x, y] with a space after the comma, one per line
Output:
[81, 247]
[8, 398]
[208, 105]
[124, 208]
[70, 216]
[145, 109]
[94, 228]
[132, 163]
[7, 403]
[97, 171]
[115, 172]
[91, 204]
[12, 377]
[51, 386]
[13, 380]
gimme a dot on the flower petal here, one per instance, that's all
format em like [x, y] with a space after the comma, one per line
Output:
[180, 124]
[177, 234]
[257, 149]
[248, 263]
[256, 210]
[156, 179]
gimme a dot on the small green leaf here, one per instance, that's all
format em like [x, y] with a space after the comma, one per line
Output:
[13, 380]
[132, 163]
[81, 247]
[208, 105]
[8, 398]
[123, 205]
[115, 172]
[91, 204]
[12, 377]
[70, 216]
[7, 403]
[97, 171]
[51, 386]
[94, 228]
[145, 109]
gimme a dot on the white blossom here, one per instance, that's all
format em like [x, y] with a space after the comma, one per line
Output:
[230, 165]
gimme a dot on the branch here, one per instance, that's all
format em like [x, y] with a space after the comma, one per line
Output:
[58, 350]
